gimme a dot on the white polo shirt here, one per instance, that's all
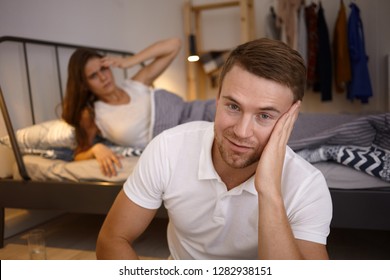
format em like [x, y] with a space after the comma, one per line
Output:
[205, 220]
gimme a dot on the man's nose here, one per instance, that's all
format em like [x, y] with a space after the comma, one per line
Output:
[244, 127]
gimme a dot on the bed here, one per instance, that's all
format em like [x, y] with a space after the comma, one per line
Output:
[353, 153]
[64, 190]
[41, 178]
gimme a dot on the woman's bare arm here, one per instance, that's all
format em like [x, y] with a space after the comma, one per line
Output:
[161, 54]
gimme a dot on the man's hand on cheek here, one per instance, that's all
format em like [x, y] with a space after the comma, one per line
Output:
[270, 167]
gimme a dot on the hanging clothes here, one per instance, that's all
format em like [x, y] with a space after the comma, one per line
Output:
[287, 12]
[324, 60]
[312, 43]
[302, 34]
[272, 30]
[360, 85]
[342, 69]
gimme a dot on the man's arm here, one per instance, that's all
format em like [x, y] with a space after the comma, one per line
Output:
[276, 240]
[125, 222]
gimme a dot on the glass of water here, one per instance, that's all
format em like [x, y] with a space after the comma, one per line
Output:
[36, 244]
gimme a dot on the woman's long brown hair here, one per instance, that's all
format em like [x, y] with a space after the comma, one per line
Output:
[78, 97]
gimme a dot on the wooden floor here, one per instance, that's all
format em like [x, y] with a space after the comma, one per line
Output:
[73, 237]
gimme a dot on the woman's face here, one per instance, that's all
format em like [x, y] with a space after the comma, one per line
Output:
[99, 78]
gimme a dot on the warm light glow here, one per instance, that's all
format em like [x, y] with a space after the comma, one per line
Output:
[193, 58]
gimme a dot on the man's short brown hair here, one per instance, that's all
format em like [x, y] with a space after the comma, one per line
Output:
[269, 59]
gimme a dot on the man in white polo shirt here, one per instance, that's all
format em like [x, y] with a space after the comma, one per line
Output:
[233, 189]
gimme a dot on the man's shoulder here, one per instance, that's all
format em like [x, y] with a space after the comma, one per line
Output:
[183, 140]
[192, 134]
[194, 126]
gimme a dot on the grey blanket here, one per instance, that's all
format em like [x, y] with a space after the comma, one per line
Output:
[171, 110]
[362, 142]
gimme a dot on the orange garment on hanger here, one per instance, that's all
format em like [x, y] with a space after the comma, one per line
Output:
[342, 62]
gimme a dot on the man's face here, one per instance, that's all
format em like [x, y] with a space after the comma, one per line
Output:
[248, 108]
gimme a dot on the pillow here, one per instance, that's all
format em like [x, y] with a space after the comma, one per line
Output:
[46, 135]
[55, 139]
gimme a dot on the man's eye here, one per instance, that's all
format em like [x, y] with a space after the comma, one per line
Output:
[263, 117]
[233, 107]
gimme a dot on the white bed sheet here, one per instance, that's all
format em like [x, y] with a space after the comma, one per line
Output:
[42, 169]
[340, 176]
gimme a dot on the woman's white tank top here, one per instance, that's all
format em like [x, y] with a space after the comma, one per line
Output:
[127, 124]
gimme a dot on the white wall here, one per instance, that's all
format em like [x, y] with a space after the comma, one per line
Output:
[133, 24]
[117, 24]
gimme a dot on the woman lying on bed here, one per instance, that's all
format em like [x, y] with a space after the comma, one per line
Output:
[130, 114]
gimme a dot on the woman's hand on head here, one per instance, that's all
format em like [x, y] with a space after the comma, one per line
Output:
[114, 61]
[107, 159]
